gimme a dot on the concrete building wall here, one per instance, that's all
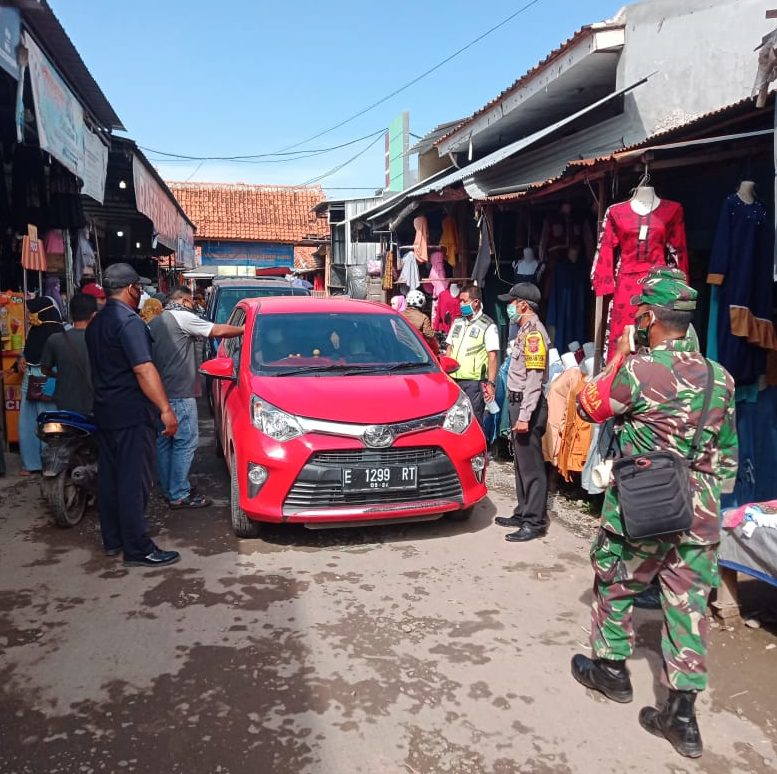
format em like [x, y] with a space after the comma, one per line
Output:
[702, 54]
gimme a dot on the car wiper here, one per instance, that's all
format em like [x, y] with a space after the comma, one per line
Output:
[387, 368]
[312, 369]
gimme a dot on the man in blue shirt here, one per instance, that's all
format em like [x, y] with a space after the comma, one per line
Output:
[128, 399]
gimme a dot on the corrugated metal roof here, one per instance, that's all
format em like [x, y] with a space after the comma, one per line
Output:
[46, 28]
[516, 147]
[428, 141]
[583, 32]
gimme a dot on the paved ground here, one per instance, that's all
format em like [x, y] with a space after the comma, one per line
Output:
[426, 648]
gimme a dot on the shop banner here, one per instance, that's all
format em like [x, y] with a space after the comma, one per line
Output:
[95, 167]
[156, 204]
[58, 114]
[10, 35]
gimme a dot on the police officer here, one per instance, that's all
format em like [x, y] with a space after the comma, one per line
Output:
[474, 342]
[128, 399]
[658, 395]
[526, 377]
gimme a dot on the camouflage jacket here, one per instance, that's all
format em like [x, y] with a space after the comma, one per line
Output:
[659, 397]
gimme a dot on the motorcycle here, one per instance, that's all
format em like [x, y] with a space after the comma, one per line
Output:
[69, 464]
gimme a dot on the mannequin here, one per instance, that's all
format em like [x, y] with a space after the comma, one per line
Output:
[637, 235]
[526, 268]
[644, 200]
[746, 191]
[446, 309]
[454, 289]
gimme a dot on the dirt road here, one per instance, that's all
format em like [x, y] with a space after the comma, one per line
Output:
[425, 648]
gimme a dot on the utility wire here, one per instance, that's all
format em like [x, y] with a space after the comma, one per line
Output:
[332, 171]
[310, 151]
[415, 80]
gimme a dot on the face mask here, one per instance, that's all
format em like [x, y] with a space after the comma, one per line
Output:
[512, 313]
[642, 335]
[467, 310]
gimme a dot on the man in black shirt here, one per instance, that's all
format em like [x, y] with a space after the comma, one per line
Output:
[65, 356]
[128, 399]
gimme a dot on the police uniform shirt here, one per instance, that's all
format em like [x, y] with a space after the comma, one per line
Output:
[528, 370]
[118, 340]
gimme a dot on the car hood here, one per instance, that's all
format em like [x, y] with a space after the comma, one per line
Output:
[371, 399]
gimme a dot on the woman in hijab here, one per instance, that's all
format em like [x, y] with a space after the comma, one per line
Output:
[45, 321]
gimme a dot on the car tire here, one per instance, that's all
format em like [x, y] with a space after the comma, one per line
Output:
[461, 515]
[242, 526]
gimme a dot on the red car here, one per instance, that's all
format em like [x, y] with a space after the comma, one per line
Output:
[334, 411]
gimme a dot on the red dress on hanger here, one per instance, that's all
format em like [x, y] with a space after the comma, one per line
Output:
[642, 242]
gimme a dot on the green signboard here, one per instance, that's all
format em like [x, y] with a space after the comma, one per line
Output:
[397, 157]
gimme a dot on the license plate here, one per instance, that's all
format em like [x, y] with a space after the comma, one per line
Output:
[380, 478]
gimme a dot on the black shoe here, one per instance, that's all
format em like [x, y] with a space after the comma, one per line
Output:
[526, 533]
[649, 599]
[516, 522]
[156, 558]
[112, 551]
[676, 722]
[608, 677]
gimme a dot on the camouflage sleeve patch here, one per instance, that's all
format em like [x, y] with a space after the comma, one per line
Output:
[535, 352]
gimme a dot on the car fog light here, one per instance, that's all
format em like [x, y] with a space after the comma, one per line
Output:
[257, 475]
[478, 466]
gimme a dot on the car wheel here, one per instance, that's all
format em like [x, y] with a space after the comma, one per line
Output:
[242, 526]
[462, 515]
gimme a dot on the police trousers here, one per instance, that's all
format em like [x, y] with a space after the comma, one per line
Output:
[686, 573]
[531, 476]
[124, 479]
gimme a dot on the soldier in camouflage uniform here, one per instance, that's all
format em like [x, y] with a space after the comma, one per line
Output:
[658, 395]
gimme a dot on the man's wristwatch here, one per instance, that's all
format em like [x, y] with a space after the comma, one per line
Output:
[490, 383]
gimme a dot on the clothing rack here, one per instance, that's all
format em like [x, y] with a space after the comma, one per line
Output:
[428, 247]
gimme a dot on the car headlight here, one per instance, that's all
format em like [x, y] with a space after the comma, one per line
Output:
[459, 415]
[279, 425]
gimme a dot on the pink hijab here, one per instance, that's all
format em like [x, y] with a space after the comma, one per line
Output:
[398, 303]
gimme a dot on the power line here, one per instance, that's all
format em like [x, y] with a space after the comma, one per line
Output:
[251, 157]
[332, 171]
[415, 80]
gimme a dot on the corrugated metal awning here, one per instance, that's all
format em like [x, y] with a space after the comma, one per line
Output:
[516, 147]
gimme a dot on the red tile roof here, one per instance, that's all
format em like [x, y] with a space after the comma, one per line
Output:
[252, 213]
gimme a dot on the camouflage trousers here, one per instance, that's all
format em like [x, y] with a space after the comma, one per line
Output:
[686, 573]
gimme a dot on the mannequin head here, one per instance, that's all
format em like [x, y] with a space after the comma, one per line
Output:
[746, 191]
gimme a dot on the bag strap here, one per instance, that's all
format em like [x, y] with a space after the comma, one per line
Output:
[704, 411]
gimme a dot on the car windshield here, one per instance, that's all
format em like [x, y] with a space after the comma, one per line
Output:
[228, 297]
[349, 344]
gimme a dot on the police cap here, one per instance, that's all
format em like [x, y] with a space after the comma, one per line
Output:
[524, 291]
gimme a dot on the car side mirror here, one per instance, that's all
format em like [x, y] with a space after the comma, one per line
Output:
[448, 364]
[219, 368]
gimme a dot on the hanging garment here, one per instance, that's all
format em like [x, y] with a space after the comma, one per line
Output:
[568, 302]
[575, 437]
[33, 254]
[28, 187]
[639, 242]
[558, 400]
[65, 207]
[85, 257]
[449, 241]
[483, 260]
[409, 278]
[388, 270]
[741, 265]
[446, 311]
[421, 241]
[438, 279]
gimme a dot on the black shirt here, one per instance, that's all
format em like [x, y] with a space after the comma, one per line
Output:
[66, 354]
[118, 340]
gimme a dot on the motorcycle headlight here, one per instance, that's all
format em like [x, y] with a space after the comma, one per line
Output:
[459, 415]
[279, 425]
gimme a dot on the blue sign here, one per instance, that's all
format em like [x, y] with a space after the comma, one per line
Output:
[260, 254]
[10, 34]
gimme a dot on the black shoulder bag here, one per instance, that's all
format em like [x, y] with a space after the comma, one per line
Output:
[654, 489]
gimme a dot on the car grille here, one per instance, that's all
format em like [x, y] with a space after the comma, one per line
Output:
[319, 484]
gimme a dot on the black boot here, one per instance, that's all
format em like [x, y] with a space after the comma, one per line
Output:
[675, 722]
[609, 677]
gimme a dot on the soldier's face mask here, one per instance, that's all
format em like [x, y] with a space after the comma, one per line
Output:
[642, 325]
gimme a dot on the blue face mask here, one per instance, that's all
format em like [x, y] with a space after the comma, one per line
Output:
[512, 313]
[467, 310]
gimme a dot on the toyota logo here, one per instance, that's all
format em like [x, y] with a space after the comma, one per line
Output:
[378, 436]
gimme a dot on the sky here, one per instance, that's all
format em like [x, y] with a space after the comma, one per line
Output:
[245, 77]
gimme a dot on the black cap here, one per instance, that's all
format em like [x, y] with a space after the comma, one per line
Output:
[119, 275]
[526, 291]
